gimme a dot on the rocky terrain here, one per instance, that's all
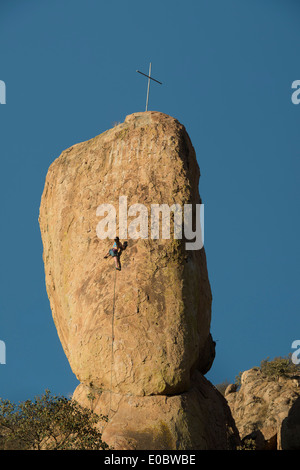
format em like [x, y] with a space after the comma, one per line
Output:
[266, 409]
[137, 339]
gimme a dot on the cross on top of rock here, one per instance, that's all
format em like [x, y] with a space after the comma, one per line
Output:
[148, 88]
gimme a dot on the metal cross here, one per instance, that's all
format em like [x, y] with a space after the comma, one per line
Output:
[149, 78]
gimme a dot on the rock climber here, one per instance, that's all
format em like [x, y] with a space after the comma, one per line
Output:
[116, 251]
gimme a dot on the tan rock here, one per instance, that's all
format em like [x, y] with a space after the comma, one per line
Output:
[136, 339]
[231, 388]
[161, 319]
[199, 419]
[267, 410]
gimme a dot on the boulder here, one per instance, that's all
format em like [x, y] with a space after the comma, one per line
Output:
[157, 309]
[198, 419]
[267, 410]
[138, 339]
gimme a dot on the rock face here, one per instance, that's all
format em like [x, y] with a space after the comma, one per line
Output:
[267, 410]
[198, 419]
[144, 330]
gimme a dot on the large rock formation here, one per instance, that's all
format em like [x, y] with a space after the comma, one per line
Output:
[198, 419]
[267, 410]
[144, 330]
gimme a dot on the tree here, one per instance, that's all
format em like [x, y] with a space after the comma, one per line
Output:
[49, 423]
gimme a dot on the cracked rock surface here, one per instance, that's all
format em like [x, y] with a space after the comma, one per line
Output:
[267, 410]
[143, 331]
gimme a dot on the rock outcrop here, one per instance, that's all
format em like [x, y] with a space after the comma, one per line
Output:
[267, 410]
[141, 335]
[198, 419]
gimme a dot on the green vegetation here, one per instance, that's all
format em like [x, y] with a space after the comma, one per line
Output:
[247, 444]
[238, 379]
[279, 367]
[49, 423]
[271, 369]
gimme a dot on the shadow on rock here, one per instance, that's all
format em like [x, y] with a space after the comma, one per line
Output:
[290, 429]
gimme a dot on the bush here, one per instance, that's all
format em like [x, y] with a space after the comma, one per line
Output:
[247, 444]
[49, 423]
[238, 380]
[222, 386]
[278, 367]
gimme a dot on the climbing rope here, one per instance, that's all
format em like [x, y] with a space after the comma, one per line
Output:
[112, 341]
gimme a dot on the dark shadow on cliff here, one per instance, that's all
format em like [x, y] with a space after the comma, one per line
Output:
[290, 430]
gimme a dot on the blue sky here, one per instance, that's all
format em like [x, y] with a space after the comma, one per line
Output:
[227, 67]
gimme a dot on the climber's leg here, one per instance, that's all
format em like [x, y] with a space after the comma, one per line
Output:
[117, 261]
